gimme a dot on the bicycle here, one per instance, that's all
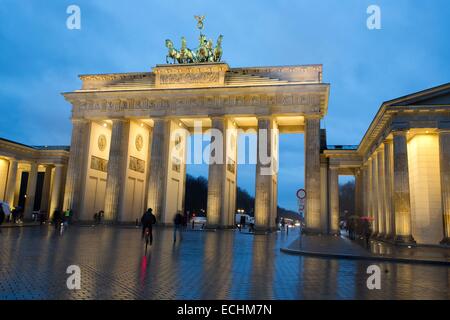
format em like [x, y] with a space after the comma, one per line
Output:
[147, 238]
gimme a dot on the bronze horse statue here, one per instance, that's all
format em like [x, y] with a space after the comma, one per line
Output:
[186, 54]
[217, 54]
[206, 52]
[173, 53]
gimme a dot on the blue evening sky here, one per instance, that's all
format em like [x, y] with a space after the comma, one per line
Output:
[40, 57]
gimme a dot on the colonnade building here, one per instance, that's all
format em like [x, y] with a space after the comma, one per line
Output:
[124, 156]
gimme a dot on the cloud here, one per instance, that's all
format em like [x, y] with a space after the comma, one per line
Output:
[40, 57]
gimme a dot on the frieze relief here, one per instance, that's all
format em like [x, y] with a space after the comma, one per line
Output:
[189, 78]
[137, 165]
[119, 105]
[99, 164]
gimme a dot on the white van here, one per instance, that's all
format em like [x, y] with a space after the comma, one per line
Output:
[248, 219]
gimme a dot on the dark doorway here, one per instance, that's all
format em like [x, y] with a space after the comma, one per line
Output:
[23, 189]
[38, 194]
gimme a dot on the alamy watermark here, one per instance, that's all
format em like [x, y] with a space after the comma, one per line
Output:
[74, 280]
[222, 147]
[373, 22]
[374, 280]
[73, 21]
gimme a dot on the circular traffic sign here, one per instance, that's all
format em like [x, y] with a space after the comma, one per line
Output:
[301, 193]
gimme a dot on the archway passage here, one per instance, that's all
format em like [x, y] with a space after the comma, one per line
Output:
[169, 100]
[196, 191]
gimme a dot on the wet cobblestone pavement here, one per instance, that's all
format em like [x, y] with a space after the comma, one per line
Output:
[205, 265]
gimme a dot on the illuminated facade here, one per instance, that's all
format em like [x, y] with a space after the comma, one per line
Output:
[122, 159]
[25, 169]
[108, 170]
[401, 168]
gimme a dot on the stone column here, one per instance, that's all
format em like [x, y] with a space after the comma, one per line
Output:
[45, 199]
[312, 174]
[76, 166]
[222, 174]
[55, 199]
[375, 199]
[444, 157]
[381, 194]
[359, 182]
[31, 191]
[334, 200]
[158, 167]
[216, 174]
[388, 169]
[117, 165]
[12, 179]
[365, 191]
[402, 205]
[266, 174]
[147, 169]
[369, 187]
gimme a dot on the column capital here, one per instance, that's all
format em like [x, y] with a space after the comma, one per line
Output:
[380, 148]
[160, 120]
[33, 163]
[443, 131]
[400, 132]
[80, 120]
[217, 117]
[119, 120]
[313, 117]
[264, 117]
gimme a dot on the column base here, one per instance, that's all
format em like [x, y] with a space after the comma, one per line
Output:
[381, 236]
[404, 240]
[389, 237]
[445, 241]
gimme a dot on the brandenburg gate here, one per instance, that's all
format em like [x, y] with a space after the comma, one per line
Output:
[122, 155]
[129, 149]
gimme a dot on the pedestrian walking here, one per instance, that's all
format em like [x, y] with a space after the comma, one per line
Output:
[185, 220]
[56, 218]
[100, 216]
[148, 220]
[367, 233]
[2, 215]
[66, 218]
[177, 225]
[242, 223]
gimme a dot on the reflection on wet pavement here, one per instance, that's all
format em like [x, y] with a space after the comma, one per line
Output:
[205, 265]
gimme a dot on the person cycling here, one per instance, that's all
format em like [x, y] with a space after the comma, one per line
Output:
[148, 220]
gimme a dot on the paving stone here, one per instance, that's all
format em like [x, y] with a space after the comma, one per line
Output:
[205, 265]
